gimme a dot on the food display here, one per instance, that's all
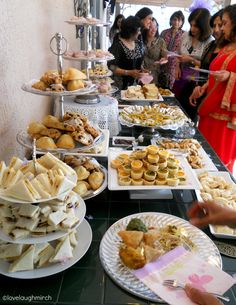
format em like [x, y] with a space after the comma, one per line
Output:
[189, 146]
[145, 92]
[72, 131]
[80, 20]
[90, 174]
[158, 115]
[24, 257]
[99, 71]
[29, 182]
[221, 189]
[21, 221]
[97, 54]
[150, 166]
[165, 92]
[71, 80]
[141, 244]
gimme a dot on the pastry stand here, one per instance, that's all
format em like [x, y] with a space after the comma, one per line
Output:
[60, 50]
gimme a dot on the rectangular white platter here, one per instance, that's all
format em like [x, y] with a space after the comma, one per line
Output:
[208, 163]
[191, 183]
[104, 148]
[124, 98]
[228, 179]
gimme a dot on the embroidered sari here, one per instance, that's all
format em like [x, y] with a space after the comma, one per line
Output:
[218, 110]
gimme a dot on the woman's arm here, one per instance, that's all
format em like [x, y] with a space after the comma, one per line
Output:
[197, 93]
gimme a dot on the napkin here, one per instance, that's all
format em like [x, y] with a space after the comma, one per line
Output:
[146, 79]
[185, 267]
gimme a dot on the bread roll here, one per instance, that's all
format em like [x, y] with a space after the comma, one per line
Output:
[45, 143]
[75, 85]
[65, 141]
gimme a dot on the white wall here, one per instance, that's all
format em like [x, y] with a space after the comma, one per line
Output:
[26, 29]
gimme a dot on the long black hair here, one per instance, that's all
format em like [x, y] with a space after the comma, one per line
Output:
[145, 31]
[114, 27]
[201, 16]
[179, 15]
[231, 11]
[129, 27]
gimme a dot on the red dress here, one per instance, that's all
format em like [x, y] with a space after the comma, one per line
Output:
[218, 110]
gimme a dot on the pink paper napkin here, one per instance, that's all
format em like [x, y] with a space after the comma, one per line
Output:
[146, 79]
[185, 267]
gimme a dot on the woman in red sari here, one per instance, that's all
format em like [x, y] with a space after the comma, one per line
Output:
[217, 111]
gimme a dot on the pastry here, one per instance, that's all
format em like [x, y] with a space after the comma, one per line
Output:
[162, 173]
[152, 167]
[172, 181]
[152, 149]
[45, 143]
[35, 128]
[80, 188]
[146, 182]
[53, 122]
[153, 158]
[40, 86]
[124, 181]
[116, 163]
[137, 182]
[75, 85]
[83, 137]
[95, 133]
[50, 132]
[136, 165]
[95, 180]
[149, 175]
[73, 74]
[82, 173]
[136, 174]
[65, 141]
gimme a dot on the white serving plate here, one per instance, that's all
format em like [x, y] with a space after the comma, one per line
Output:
[104, 147]
[169, 95]
[28, 88]
[25, 140]
[86, 58]
[98, 23]
[79, 212]
[191, 183]
[228, 179]
[84, 235]
[122, 275]
[92, 193]
[122, 138]
[124, 98]
[208, 163]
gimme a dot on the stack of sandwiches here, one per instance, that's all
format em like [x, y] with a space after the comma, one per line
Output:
[151, 91]
[28, 257]
[23, 220]
[135, 92]
[30, 182]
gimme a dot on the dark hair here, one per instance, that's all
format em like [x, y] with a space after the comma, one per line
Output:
[231, 11]
[179, 15]
[217, 14]
[143, 13]
[201, 16]
[129, 27]
[145, 31]
[114, 27]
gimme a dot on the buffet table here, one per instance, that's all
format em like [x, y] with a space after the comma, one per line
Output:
[86, 282]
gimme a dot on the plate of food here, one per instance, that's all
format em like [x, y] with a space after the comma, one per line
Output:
[92, 176]
[166, 92]
[45, 259]
[157, 116]
[33, 182]
[149, 168]
[218, 186]
[195, 154]
[31, 224]
[72, 133]
[92, 55]
[85, 21]
[145, 93]
[71, 82]
[160, 230]
[123, 141]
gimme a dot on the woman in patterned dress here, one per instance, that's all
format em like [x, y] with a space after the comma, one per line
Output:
[172, 37]
[128, 53]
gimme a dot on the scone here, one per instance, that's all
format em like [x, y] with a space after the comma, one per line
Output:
[95, 180]
[75, 85]
[65, 141]
[40, 86]
[45, 143]
[83, 137]
[35, 128]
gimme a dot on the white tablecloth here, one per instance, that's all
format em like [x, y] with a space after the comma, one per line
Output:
[104, 114]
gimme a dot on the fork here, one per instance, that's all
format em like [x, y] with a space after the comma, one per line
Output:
[176, 285]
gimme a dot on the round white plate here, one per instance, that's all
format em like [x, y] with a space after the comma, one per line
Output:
[28, 88]
[15, 200]
[77, 22]
[79, 212]
[92, 193]
[25, 140]
[84, 235]
[86, 58]
[110, 244]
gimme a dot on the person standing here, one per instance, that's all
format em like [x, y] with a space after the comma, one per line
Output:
[128, 53]
[155, 51]
[115, 29]
[172, 37]
[191, 49]
[217, 112]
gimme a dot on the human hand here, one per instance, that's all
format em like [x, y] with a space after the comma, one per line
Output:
[197, 92]
[201, 298]
[177, 73]
[185, 58]
[209, 212]
[135, 73]
[221, 76]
